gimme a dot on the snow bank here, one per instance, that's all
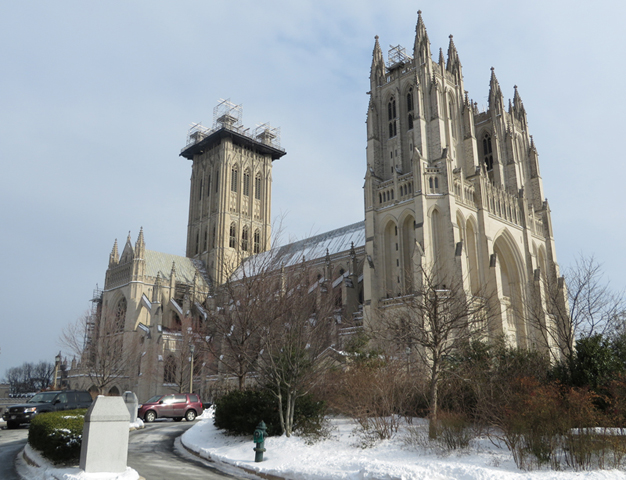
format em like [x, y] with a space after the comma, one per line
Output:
[340, 457]
[44, 470]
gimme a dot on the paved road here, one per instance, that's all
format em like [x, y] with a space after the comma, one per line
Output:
[152, 453]
[11, 442]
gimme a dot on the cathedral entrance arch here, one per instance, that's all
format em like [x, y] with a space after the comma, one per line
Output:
[509, 279]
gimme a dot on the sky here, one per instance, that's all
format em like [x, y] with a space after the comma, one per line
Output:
[96, 99]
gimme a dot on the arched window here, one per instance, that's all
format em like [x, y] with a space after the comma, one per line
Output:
[430, 183]
[208, 185]
[257, 241]
[409, 100]
[436, 183]
[234, 179]
[244, 239]
[120, 315]
[197, 242]
[410, 121]
[246, 183]
[391, 114]
[217, 181]
[206, 240]
[200, 191]
[257, 187]
[233, 236]
[169, 370]
[487, 152]
[213, 237]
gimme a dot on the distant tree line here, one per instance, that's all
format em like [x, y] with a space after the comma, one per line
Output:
[30, 377]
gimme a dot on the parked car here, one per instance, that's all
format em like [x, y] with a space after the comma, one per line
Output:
[176, 406]
[46, 402]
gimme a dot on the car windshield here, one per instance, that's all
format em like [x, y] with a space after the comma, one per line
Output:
[44, 397]
[154, 399]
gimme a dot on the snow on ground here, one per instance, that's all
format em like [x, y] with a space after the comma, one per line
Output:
[340, 457]
[46, 471]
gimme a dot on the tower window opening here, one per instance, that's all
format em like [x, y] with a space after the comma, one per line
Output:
[206, 240]
[217, 181]
[197, 242]
[487, 152]
[233, 236]
[409, 100]
[200, 191]
[257, 187]
[391, 116]
[246, 184]
[257, 241]
[436, 183]
[208, 185]
[244, 239]
[410, 121]
[233, 179]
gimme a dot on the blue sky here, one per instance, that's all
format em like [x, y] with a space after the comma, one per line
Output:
[96, 100]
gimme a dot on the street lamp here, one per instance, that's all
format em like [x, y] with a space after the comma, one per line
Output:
[57, 361]
[192, 349]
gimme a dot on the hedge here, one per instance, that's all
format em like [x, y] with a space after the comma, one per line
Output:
[240, 411]
[58, 435]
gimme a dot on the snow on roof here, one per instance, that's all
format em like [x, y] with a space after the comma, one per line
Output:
[159, 262]
[312, 248]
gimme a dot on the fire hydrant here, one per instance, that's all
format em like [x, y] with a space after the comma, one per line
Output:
[259, 438]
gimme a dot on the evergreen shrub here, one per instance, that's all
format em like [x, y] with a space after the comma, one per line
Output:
[240, 411]
[58, 435]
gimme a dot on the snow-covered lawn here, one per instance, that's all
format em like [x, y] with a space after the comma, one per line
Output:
[340, 457]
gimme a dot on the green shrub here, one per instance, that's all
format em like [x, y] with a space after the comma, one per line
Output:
[240, 411]
[57, 435]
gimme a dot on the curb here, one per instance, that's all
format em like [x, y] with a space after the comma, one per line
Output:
[209, 458]
[33, 463]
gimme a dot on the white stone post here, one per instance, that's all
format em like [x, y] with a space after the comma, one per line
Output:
[131, 403]
[105, 436]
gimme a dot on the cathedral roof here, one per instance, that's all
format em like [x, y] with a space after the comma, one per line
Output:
[159, 262]
[309, 249]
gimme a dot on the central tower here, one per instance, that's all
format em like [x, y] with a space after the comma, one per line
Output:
[231, 190]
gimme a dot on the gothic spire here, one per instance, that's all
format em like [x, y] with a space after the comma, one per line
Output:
[518, 105]
[421, 48]
[377, 71]
[114, 257]
[495, 93]
[140, 245]
[454, 64]
[442, 61]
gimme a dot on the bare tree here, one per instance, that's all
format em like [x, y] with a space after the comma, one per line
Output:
[235, 323]
[106, 355]
[581, 304]
[433, 323]
[182, 354]
[295, 341]
[30, 377]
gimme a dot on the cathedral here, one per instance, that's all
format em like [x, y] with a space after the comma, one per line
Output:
[447, 187]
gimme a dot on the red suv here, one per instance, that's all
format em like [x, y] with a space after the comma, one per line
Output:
[176, 406]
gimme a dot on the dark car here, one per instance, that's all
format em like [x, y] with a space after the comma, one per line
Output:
[46, 402]
[176, 406]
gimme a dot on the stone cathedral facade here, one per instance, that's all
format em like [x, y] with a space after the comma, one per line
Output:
[448, 188]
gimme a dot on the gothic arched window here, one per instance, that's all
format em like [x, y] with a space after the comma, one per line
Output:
[410, 121]
[206, 239]
[233, 236]
[120, 315]
[244, 239]
[391, 115]
[233, 179]
[246, 183]
[487, 152]
[409, 100]
[257, 241]
[257, 187]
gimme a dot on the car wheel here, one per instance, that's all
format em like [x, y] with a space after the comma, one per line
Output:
[190, 416]
[150, 416]
[12, 425]
[178, 419]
